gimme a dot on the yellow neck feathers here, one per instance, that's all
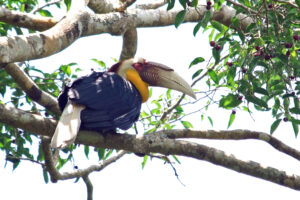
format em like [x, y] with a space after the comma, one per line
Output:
[141, 86]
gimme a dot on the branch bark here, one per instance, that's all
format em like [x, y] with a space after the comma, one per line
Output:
[31, 89]
[129, 44]
[26, 20]
[147, 144]
[232, 135]
[80, 23]
[56, 175]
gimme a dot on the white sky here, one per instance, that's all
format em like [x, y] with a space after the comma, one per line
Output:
[125, 179]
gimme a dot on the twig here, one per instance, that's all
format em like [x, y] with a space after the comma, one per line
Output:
[56, 175]
[167, 160]
[89, 187]
[43, 6]
[8, 157]
[242, 6]
[152, 5]
[291, 3]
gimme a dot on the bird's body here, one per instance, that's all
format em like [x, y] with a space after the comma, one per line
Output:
[110, 100]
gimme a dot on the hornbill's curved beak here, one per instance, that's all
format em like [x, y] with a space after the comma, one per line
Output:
[156, 74]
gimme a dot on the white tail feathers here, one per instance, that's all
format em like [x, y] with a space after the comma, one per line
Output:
[68, 126]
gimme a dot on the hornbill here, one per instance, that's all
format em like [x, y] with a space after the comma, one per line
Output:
[109, 100]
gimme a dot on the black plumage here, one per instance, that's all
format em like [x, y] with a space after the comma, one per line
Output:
[110, 101]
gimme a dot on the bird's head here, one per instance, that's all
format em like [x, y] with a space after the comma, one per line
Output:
[144, 73]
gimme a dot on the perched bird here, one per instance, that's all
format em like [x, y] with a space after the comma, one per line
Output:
[112, 99]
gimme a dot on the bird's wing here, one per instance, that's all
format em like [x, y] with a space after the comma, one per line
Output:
[68, 126]
[111, 101]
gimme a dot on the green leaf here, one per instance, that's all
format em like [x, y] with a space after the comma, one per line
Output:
[86, 150]
[206, 19]
[295, 128]
[99, 62]
[217, 26]
[101, 153]
[169, 94]
[216, 55]
[250, 27]
[108, 153]
[230, 101]
[77, 179]
[235, 22]
[194, 3]
[283, 58]
[298, 3]
[196, 28]
[45, 175]
[187, 124]
[231, 75]
[175, 158]
[231, 120]
[274, 125]
[212, 74]
[261, 91]
[144, 161]
[210, 121]
[197, 73]
[45, 13]
[196, 61]
[183, 3]
[286, 103]
[242, 36]
[179, 18]
[257, 101]
[296, 102]
[68, 4]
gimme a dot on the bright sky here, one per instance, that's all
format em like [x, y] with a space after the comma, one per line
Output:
[126, 179]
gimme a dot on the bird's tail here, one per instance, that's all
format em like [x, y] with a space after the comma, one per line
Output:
[68, 126]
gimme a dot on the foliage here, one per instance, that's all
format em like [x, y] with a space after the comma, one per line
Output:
[258, 66]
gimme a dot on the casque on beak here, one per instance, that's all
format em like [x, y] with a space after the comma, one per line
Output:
[156, 74]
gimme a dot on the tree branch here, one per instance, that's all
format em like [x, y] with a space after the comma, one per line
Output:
[242, 6]
[80, 23]
[89, 187]
[31, 89]
[232, 135]
[129, 44]
[152, 5]
[26, 20]
[56, 175]
[45, 5]
[146, 144]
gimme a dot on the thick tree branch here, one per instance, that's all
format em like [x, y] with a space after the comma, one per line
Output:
[26, 20]
[31, 89]
[129, 44]
[147, 144]
[26, 121]
[81, 23]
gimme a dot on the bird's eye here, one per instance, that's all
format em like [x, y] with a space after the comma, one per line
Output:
[137, 66]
